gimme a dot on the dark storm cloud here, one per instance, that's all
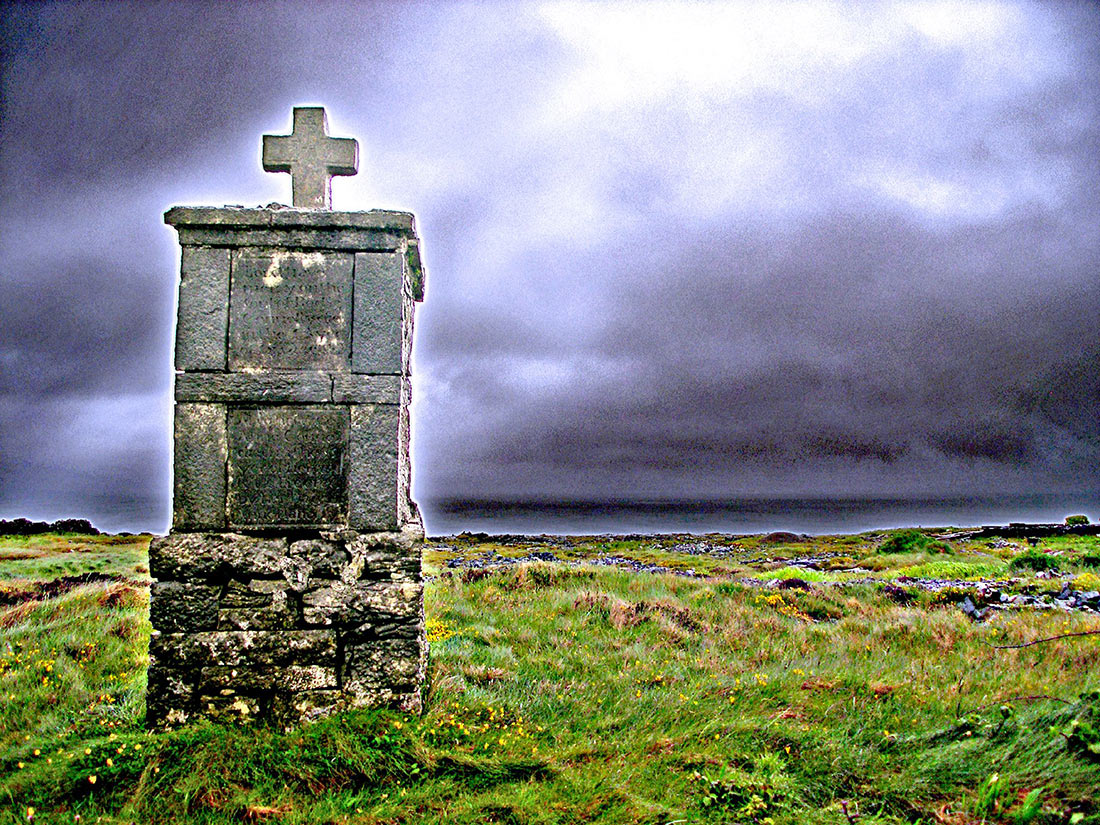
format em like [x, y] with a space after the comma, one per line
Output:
[790, 364]
[110, 112]
[865, 328]
[672, 250]
[93, 321]
[109, 92]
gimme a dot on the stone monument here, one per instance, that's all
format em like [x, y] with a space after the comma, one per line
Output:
[289, 586]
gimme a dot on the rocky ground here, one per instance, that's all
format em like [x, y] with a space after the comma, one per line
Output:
[977, 597]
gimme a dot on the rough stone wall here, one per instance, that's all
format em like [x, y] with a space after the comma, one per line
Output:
[290, 585]
[284, 628]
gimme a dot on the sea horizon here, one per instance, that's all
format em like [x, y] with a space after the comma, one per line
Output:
[813, 515]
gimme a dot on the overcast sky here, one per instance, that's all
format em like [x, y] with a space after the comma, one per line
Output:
[686, 249]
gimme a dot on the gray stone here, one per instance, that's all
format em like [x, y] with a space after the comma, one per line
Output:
[407, 699]
[175, 607]
[377, 341]
[401, 629]
[233, 707]
[201, 557]
[322, 559]
[290, 310]
[400, 223]
[294, 344]
[362, 604]
[407, 511]
[263, 387]
[287, 466]
[202, 323]
[171, 696]
[287, 678]
[307, 705]
[394, 556]
[396, 664]
[261, 604]
[348, 240]
[372, 476]
[311, 157]
[244, 648]
[198, 501]
[366, 389]
[414, 269]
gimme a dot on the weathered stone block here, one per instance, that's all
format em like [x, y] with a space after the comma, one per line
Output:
[362, 603]
[256, 679]
[399, 629]
[198, 501]
[171, 697]
[407, 511]
[351, 240]
[251, 388]
[407, 699]
[244, 217]
[204, 556]
[366, 389]
[244, 648]
[393, 556]
[307, 705]
[287, 465]
[175, 607]
[202, 323]
[234, 707]
[294, 342]
[396, 664]
[261, 604]
[372, 475]
[322, 559]
[377, 339]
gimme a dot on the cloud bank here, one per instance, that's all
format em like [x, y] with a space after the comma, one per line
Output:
[674, 249]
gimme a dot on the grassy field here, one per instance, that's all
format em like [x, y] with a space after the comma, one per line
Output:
[580, 690]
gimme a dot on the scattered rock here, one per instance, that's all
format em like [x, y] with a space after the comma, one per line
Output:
[794, 584]
[984, 596]
[897, 594]
[781, 537]
[970, 609]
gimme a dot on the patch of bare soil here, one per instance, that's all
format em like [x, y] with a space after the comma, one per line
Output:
[53, 589]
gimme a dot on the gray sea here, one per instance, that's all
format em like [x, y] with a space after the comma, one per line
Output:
[815, 516]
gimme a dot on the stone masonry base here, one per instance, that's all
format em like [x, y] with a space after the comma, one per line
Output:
[284, 627]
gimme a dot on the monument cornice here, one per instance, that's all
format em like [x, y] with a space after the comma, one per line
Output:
[288, 217]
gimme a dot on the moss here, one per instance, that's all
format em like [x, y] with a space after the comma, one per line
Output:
[912, 541]
[1033, 560]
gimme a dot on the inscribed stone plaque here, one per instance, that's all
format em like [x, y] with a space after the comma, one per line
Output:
[288, 465]
[290, 310]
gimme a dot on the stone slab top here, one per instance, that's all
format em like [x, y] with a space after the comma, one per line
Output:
[277, 216]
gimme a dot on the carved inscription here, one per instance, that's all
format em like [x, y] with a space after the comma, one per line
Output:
[290, 310]
[288, 465]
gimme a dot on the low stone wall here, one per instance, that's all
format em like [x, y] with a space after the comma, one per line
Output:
[286, 627]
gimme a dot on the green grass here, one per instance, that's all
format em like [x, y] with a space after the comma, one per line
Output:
[566, 694]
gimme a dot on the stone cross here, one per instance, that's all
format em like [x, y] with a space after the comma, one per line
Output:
[311, 157]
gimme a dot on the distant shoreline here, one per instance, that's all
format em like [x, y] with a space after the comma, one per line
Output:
[818, 516]
[749, 515]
